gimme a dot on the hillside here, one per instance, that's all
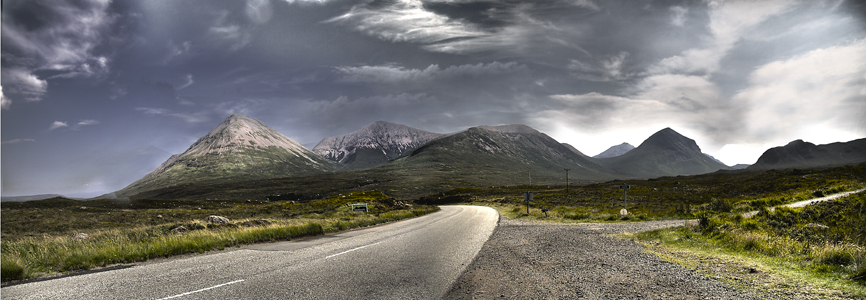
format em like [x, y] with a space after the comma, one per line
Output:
[372, 145]
[615, 151]
[665, 153]
[240, 148]
[800, 154]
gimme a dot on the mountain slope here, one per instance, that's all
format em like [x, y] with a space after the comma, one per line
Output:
[665, 153]
[239, 148]
[615, 151]
[800, 154]
[372, 145]
[500, 155]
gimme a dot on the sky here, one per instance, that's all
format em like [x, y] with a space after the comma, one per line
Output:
[97, 93]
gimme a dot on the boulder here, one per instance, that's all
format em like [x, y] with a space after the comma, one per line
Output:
[217, 220]
[179, 229]
[80, 236]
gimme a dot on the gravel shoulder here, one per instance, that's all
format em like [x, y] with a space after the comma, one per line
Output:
[535, 260]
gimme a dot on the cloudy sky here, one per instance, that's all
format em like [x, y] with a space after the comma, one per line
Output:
[96, 93]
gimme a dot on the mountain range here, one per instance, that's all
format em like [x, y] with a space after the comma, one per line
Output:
[800, 154]
[243, 158]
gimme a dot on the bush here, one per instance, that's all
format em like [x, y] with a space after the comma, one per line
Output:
[11, 268]
[861, 274]
[720, 205]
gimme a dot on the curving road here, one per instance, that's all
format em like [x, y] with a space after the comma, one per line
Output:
[413, 259]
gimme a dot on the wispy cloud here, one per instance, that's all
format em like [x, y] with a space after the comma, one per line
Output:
[87, 122]
[65, 44]
[397, 74]
[58, 124]
[197, 117]
[189, 81]
[17, 141]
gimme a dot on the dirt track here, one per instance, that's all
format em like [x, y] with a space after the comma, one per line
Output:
[533, 260]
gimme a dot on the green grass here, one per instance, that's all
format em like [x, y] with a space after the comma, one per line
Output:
[121, 232]
[787, 241]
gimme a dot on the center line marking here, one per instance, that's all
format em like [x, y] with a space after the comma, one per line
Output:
[347, 251]
[202, 290]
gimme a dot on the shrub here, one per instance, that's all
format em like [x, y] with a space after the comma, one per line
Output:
[720, 205]
[11, 268]
[837, 257]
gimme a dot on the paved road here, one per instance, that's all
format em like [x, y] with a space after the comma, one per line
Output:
[413, 259]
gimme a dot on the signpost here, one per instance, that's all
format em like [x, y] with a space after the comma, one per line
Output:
[527, 196]
[624, 188]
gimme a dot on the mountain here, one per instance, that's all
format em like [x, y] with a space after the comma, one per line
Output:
[28, 198]
[800, 154]
[615, 151]
[372, 145]
[665, 153]
[239, 148]
[494, 155]
[739, 166]
[573, 149]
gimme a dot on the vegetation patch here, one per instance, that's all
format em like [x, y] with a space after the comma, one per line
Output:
[823, 245]
[44, 237]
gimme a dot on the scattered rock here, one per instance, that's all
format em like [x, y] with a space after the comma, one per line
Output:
[179, 229]
[80, 236]
[816, 225]
[262, 222]
[159, 217]
[82, 208]
[217, 220]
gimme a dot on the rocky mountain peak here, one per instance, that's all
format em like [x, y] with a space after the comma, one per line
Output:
[671, 140]
[378, 142]
[615, 151]
[239, 131]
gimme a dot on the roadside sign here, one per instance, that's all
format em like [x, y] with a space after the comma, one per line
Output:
[625, 186]
[360, 207]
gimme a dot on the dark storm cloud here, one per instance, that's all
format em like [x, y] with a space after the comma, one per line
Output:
[43, 39]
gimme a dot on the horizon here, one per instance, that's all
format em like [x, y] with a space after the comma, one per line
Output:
[97, 95]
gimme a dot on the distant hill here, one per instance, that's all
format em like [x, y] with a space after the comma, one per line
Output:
[29, 198]
[500, 155]
[240, 148]
[573, 149]
[665, 153]
[615, 151]
[740, 166]
[800, 154]
[372, 145]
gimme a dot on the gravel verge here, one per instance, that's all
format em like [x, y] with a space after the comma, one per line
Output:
[535, 260]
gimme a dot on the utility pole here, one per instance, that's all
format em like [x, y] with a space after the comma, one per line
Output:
[530, 178]
[566, 180]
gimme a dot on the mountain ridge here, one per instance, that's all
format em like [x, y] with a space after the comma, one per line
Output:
[372, 145]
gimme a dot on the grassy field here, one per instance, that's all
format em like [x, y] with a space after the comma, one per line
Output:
[662, 198]
[37, 236]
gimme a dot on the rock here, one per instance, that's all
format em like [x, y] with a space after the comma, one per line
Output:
[623, 212]
[217, 220]
[179, 229]
[80, 236]
[262, 222]
[159, 217]
[82, 208]
[816, 225]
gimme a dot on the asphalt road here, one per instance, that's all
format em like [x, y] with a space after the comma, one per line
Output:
[413, 259]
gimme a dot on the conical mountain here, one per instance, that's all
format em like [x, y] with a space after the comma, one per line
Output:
[665, 153]
[800, 154]
[372, 145]
[239, 148]
[615, 151]
[496, 155]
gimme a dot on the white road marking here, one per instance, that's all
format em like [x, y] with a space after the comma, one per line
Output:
[347, 251]
[464, 209]
[202, 290]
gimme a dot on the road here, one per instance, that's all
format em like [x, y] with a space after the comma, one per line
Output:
[411, 259]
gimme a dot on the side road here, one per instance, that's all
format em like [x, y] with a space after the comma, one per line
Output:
[534, 260]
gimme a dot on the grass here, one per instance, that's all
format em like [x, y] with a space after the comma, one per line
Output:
[823, 245]
[120, 232]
